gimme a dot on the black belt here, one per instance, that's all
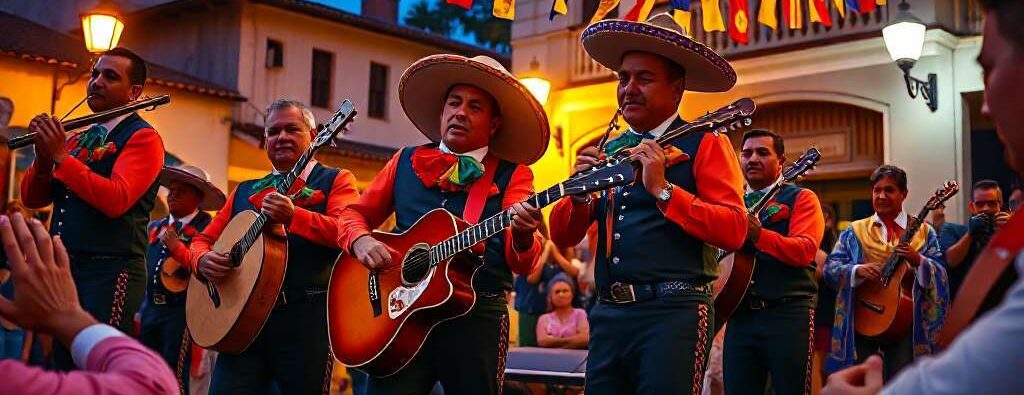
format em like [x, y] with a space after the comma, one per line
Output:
[756, 303]
[623, 293]
[167, 299]
[300, 295]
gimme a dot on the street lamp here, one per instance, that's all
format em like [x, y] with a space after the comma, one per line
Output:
[102, 28]
[904, 38]
[538, 87]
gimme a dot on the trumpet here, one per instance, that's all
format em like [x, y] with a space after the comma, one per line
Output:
[103, 116]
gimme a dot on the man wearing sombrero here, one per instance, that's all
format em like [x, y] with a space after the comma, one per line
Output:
[485, 127]
[163, 311]
[291, 351]
[653, 325]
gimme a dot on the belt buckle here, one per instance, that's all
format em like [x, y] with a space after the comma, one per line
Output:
[757, 304]
[622, 293]
[159, 299]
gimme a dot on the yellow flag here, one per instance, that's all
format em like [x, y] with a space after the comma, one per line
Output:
[504, 9]
[841, 7]
[712, 16]
[558, 7]
[683, 18]
[880, 2]
[603, 9]
[767, 16]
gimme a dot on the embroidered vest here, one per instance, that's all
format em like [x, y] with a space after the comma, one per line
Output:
[774, 279]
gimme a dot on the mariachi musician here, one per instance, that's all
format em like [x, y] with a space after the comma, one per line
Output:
[859, 256]
[484, 126]
[772, 331]
[291, 350]
[190, 195]
[102, 184]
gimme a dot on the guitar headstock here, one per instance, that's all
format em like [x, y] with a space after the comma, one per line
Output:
[805, 163]
[608, 175]
[346, 111]
[943, 194]
[732, 117]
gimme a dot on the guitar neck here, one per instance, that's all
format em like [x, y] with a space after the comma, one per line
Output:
[763, 202]
[256, 229]
[913, 225]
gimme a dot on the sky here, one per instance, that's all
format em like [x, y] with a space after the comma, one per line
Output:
[355, 7]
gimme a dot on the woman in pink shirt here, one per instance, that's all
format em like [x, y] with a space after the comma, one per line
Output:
[563, 326]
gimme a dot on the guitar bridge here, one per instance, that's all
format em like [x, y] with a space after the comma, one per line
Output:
[873, 307]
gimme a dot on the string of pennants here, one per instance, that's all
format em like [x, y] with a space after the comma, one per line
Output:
[739, 12]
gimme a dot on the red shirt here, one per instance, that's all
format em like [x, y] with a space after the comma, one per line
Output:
[378, 202]
[806, 228]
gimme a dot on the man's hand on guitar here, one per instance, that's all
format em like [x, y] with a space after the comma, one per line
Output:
[753, 229]
[525, 220]
[870, 271]
[215, 266]
[170, 238]
[587, 158]
[371, 252]
[912, 256]
[652, 157]
[279, 208]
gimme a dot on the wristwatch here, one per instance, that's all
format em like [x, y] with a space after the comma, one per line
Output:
[666, 192]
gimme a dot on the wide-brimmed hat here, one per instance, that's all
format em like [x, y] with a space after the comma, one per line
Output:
[607, 41]
[523, 134]
[213, 197]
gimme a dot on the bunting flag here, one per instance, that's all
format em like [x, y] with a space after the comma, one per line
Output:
[840, 7]
[712, 16]
[818, 12]
[640, 11]
[681, 13]
[467, 4]
[861, 6]
[504, 9]
[558, 7]
[794, 14]
[879, 2]
[766, 14]
[739, 14]
[603, 9]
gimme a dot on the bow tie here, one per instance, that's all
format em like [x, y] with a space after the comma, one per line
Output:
[626, 140]
[752, 198]
[269, 181]
[91, 138]
[464, 171]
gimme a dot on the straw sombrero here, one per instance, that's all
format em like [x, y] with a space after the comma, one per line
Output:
[213, 197]
[523, 134]
[607, 41]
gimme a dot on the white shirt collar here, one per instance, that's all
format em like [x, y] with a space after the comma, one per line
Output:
[305, 172]
[184, 220]
[658, 131]
[762, 190]
[477, 154]
[111, 124]
[901, 220]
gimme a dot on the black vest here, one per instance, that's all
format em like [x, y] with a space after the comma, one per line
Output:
[86, 230]
[772, 278]
[157, 251]
[416, 200]
[309, 264]
[646, 247]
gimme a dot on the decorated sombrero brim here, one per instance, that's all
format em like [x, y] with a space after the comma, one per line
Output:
[607, 41]
[523, 134]
[213, 197]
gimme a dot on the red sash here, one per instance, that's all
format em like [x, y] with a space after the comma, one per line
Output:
[478, 192]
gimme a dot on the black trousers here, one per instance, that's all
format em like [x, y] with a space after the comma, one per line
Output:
[654, 347]
[895, 356]
[106, 285]
[291, 353]
[776, 341]
[466, 354]
[163, 331]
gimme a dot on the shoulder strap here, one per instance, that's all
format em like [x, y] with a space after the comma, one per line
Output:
[478, 192]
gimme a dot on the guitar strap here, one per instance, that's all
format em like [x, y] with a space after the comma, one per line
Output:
[992, 264]
[478, 193]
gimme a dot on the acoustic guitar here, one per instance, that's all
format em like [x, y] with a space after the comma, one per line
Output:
[228, 315]
[378, 321]
[884, 309]
[733, 287]
[173, 275]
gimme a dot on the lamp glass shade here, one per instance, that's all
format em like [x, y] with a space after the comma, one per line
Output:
[904, 40]
[539, 87]
[102, 32]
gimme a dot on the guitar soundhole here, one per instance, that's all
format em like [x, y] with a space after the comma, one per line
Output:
[416, 264]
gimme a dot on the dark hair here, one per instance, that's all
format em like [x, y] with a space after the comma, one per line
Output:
[138, 71]
[989, 184]
[896, 173]
[777, 142]
[1010, 14]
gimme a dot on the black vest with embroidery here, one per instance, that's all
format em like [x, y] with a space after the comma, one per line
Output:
[309, 264]
[646, 247]
[416, 200]
[772, 278]
[85, 229]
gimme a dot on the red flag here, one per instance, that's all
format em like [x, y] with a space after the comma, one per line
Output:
[467, 4]
[641, 10]
[739, 14]
[793, 13]
[818, 12]
[866, 6]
